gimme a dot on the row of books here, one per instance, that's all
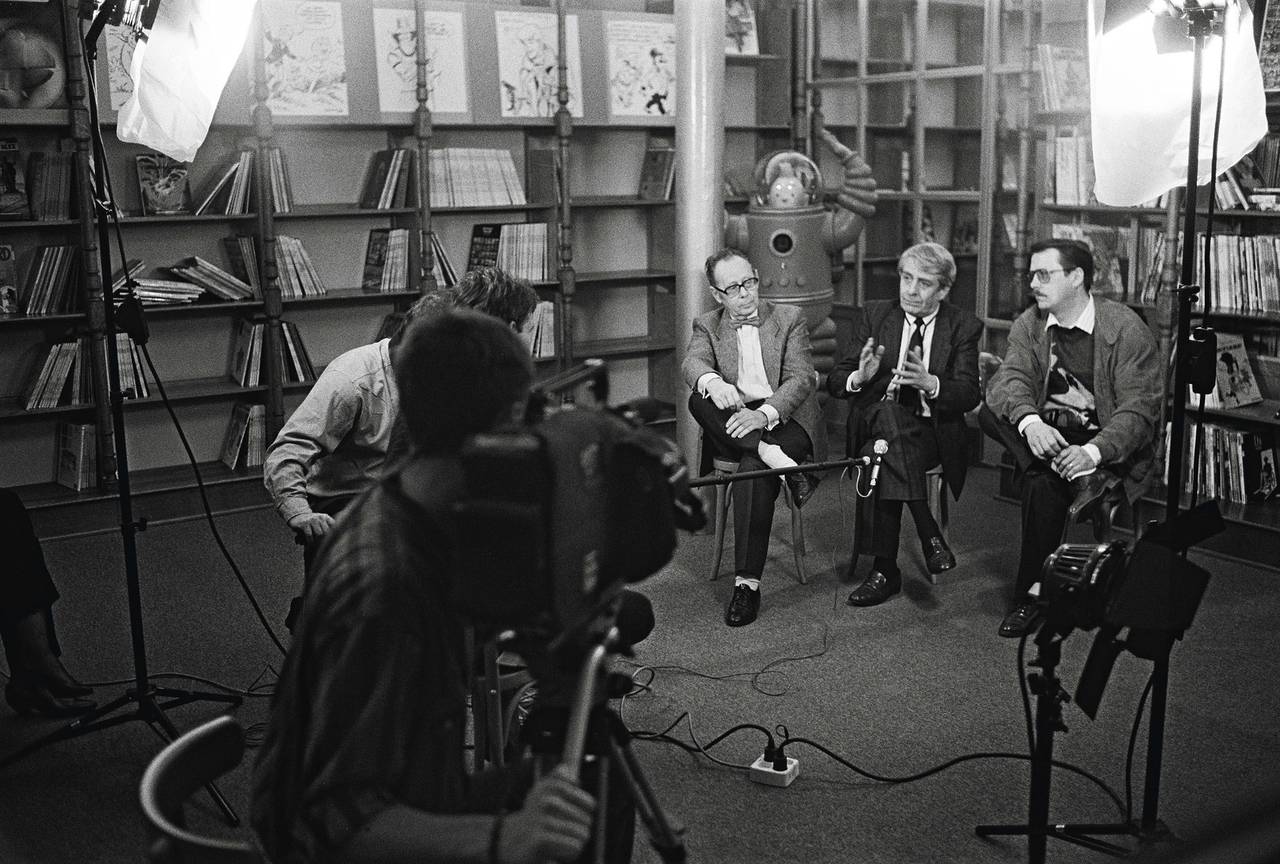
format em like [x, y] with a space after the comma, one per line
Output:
[43, 191]
[76, 458]
[164, 185]
[212, 278]
[1110, 246]
[1072, 172]
[245, 442]
[1235, 384]
[520, 248]
[49, 281]
[441, 266]
[64, 377]
[230, 193]
[386, 260]
[1235, 465]
[474, 176]
[245, 366]
[1240, 276]
[298, 276]
[390, 182]
[1064, 78]
[539, 332]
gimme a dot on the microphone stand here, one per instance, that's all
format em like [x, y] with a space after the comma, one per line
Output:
[144, 696]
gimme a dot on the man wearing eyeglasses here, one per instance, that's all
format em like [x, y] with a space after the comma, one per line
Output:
[750, 367]
[1075, 403]
[910, 383]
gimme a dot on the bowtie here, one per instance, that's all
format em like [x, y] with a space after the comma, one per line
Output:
[754, 321]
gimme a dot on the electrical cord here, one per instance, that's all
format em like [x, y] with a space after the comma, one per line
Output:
[106, 199]
[1133, 740]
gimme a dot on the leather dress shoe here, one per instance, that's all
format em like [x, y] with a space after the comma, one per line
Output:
[28, 695]
[1021, 620]
[875, 589]
[1089, 492]
[937, 557]
[743, 606]
[802, 485]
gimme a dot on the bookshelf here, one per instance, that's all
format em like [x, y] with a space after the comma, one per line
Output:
[613, 249]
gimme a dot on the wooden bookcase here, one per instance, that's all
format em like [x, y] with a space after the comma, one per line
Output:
[618, 261]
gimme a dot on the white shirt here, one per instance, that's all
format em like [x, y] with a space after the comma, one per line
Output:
[908, 328]
[753, 382]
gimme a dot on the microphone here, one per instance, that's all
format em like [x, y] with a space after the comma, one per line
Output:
[880, 448]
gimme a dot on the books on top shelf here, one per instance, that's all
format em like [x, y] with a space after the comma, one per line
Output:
[76, 458]
[278, 184]
[389, 180]
[466, 177]
[657, 174]
[1073, 169]
[163, 184]
[298, 276]
[1242, 275]
[520, 248]
[1064, 78]
[386, 260]
[245, 439]
[245, 362]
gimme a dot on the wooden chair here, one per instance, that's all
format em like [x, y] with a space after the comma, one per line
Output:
[721, 468]
[187, 764]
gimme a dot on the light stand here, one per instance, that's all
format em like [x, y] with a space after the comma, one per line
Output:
[149, 702]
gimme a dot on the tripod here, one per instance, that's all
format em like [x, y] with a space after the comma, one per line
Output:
[587, 733]
[1050, 697]
[143, 700]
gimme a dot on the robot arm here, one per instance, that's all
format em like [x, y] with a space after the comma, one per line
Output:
[856, 199]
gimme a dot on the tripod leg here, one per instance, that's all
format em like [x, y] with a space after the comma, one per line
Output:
[665, 840]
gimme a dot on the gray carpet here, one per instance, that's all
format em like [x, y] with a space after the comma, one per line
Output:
[895, 690]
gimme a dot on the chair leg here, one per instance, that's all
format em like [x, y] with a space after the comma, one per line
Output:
[724, 496]
[797, 535]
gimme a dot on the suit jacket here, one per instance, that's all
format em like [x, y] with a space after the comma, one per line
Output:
[1128, 384]
[788, 363]
[953, 357]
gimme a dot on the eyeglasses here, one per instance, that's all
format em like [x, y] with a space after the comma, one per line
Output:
[737, 289]
[1043, 276]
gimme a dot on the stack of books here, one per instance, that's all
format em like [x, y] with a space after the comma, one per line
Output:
[77, 457]
[49, 176]
[386, 260]
[231, 192]
[539, 332]
[279, 186]
[242, 253]
[389, 181]
[520, 248]
[213, 279]
[298, 276]
[64, 376]
[245, 441]
[49, 279]
[474, 177]
[441, 266]
[245, 366]
[1073, 169]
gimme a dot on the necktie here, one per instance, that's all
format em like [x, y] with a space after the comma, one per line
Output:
[754, 321]
[909, 397]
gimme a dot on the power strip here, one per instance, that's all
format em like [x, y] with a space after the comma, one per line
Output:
[762, 771]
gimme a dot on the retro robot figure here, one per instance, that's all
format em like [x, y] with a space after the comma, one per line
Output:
[795, 242]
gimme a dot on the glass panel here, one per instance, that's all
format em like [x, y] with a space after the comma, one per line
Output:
[954, 34]
[889, 232]
[889, 154]
[951, 159]
[892, 38]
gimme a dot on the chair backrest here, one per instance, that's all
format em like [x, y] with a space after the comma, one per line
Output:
[188, 763]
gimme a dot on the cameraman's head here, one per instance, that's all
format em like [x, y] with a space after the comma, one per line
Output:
[459, 372]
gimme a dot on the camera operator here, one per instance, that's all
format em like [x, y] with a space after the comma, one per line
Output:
[364, 755]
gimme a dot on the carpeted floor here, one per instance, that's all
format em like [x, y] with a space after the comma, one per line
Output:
[893, 690]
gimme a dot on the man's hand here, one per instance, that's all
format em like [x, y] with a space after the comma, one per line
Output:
[1073, 460]
[724, 395]
[913, 373]
[1045, 441]
[745, 422]
[311, 526]
[553, 825]
[868, 363]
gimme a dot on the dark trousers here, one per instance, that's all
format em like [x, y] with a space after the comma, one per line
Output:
[331, 507]
[752, 512]
[1045, 499]
[913, 450]
[25, 584]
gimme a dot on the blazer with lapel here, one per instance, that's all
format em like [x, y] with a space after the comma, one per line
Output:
[953, 357]
[788, 362]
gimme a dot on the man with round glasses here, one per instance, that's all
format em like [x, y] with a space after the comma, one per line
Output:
[1075, 403]
[910, 382]
[750, 368]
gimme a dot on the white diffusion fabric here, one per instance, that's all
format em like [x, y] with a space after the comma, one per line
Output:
[1140, 101]
[179, 71]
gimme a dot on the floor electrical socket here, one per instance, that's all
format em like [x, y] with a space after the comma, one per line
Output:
[762, 771]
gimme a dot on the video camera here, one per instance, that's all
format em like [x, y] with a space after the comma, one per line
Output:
[559, 515]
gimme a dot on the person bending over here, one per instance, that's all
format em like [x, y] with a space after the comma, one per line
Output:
[750, 368]
[38, 682]
[1075, 403]
[364, 757]
[910, 384]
